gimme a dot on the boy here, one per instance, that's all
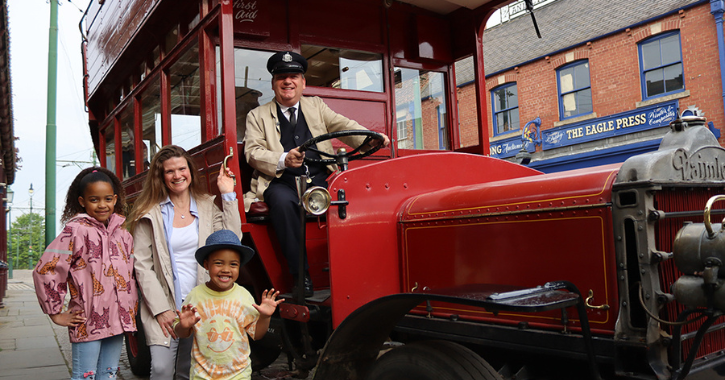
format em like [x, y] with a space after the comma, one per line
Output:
[225, 312]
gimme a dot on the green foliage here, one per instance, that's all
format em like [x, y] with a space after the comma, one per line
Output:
[26, 241]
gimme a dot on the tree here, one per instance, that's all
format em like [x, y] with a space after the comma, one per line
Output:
[27, 241]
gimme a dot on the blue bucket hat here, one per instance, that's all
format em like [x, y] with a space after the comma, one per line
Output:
[224, 239]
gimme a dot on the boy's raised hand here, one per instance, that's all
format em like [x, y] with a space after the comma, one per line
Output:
[187, 316]
[268, 304]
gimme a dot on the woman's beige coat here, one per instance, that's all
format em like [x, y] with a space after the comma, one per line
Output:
[153, 262]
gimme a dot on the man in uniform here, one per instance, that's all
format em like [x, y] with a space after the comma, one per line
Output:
[274, 132]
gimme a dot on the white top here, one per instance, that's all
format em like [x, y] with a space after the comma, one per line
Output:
[184, 242]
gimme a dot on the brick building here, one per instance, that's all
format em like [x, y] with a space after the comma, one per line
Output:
[605, 90]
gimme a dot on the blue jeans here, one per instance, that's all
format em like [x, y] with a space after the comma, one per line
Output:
[97, 359]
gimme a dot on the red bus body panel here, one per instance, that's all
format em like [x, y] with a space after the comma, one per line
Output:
[521, 232]
[364, 254]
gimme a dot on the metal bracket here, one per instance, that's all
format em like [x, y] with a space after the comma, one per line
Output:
[341, 204]
[588, 300]
[299, 313]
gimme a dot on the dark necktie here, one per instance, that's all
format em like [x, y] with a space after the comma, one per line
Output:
[292, 117]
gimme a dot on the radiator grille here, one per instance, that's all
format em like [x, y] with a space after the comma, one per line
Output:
[683, 199]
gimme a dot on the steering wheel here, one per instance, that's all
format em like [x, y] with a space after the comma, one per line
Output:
[342, 158]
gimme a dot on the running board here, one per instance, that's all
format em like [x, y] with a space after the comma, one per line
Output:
[354, 345]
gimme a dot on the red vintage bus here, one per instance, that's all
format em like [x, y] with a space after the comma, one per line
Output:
[461, 266]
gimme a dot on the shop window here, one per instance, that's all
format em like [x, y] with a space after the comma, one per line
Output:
[442, 127]
[420, 109]
[151, 122]
[402, 127]
[128, 151]
[575, 92]
[252, 85]
[344, 69]
[661, 65]
[185, 100]
[505, 108]
[110, 137]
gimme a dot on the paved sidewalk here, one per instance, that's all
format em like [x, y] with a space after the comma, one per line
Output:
[29, 347]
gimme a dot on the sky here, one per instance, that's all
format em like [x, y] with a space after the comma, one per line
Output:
[29, 22]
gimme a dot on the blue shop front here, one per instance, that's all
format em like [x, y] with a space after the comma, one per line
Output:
[612, 126]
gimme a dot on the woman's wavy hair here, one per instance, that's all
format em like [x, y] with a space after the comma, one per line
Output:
[80, 183]
[154, 189]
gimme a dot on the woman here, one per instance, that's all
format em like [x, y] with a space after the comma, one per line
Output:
[171, 218]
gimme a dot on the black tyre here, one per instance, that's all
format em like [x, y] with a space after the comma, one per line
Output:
[266, 350]
[432, 360]
[141, 363]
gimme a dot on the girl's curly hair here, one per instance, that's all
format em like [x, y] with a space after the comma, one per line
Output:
[78, 188]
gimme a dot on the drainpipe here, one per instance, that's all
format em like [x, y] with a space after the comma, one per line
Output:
[717, 8]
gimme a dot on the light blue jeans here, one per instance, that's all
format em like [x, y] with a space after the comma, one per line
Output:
[97, 359]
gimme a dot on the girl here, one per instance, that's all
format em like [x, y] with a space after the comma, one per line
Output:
[92, 258]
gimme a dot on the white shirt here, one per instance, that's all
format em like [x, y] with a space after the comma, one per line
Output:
[285, 112]
[184, 242]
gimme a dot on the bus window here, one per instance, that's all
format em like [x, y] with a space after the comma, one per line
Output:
[185, 101]
[151, 121]
[128, 152]
[172, 37]
[252, 84]
[420, 110]
[110, 148]
[344, 69]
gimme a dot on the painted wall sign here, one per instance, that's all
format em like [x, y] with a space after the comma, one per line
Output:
[251, 17]
[641, 119]
[508, 147]
[530, 134]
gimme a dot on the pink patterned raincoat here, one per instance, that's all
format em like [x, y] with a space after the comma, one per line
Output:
[94, 263]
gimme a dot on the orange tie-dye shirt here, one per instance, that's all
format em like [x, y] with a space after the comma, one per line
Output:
[221, 346]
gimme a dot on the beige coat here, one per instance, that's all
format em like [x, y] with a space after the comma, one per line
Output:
[153, 262]
[263, 148]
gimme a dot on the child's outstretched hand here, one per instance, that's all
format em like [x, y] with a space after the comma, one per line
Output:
[187, 316]
[68, 318]
[268, 304]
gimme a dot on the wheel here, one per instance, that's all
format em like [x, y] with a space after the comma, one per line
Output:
[266, 350]
[432, 360]
[349, 156]
[141, 362]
